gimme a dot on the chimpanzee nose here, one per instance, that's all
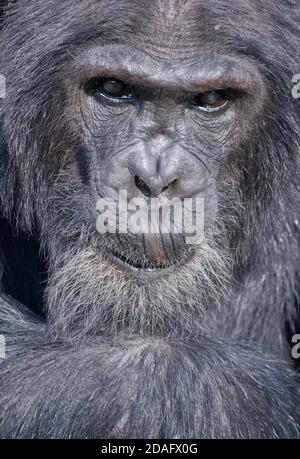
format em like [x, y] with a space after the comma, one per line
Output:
[157, 168]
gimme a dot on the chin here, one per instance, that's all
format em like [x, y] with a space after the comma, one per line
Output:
[110, 286]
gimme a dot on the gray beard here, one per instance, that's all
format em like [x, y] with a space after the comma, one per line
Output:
[90, 295]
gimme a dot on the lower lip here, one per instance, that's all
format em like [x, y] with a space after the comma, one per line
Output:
[135, 269]
[153, 272]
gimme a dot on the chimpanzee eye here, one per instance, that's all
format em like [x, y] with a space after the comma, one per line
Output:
[113, 88]
[211, 100]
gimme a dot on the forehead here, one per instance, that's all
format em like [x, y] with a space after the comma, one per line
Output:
[164, 26]
[163, 23]
[173, 40]
[170, 24]
[170, 32]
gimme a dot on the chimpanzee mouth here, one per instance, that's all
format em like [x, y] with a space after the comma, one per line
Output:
[143, 265]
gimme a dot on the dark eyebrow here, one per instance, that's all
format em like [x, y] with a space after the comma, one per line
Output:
[241, 80]
[203, 72]
[243, 83]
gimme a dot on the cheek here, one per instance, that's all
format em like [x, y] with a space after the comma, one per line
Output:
[211, 202]
[213, 135]
[107, 124]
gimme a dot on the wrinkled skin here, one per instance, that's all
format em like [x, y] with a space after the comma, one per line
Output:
[143, 335]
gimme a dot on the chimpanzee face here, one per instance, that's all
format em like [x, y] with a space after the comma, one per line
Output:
[150, 101]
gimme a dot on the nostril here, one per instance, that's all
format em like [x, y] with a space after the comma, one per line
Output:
[143, 187]
[165, 188]
[146, 190]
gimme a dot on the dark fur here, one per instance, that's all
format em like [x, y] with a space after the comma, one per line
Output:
[225, 373]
